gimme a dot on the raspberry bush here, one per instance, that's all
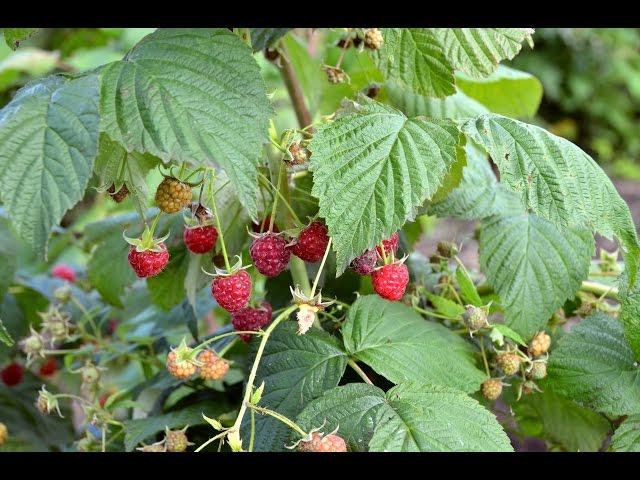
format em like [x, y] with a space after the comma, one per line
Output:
[234, 249]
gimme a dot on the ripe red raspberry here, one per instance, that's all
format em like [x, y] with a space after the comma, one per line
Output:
[172, 195]
[213, 367]
[320, 443]
[200, 239]
[311, 243]
[180, 369]
[12, 374]
[120, 195]
[148, 263]
[232, 292]
[270, 254]
[390, 245]
[251, 319]
[390, 281]
[64, 272]
[365, 263]
[256, 226]
[49, 367]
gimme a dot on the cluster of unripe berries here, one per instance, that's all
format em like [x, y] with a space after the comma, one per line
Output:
[173, 441]
[510, 363]
[184, 362]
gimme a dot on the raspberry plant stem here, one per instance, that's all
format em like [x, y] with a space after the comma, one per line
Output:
[484, 358]
[294, 89]
[359, 371]
[212, 199]
[274, 207]
[600, 289]
[254, 369]
[324, 259]
[288, 422]
[268, 183]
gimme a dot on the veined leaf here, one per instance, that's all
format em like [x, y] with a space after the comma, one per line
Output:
[427, 418]
[192, 95]
[4, 336]
[167, 288]
[9, 251]
[296, 369]
[506, 91]
[533, 266]
[372, 168]
[627, 436]
[468, 290]
[397, 343]
[48, 141]
[594, 366]
[13, 36]
[630, 312]
[262, 38]
[556, 180]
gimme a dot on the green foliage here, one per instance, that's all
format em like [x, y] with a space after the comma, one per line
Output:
[627, 436]
[14, 36]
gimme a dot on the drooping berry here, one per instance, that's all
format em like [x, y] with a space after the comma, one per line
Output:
[251, 319]
[120, 195]
[148, 263]
[213, 367]
[537, 371]
[390, 281]
[180, 363]
[49, 367]
[365, 263]
[475, 318]
[232, 292]
[491, 388]
[64, 272]
[323, 443]
[311, 243]
[12, 374]
[390, 245]
[509, 363]
[172, 195]
[540, 344]
[176, 440]
[263, 226]
[200, 239]
[373, 39]
[270, 254]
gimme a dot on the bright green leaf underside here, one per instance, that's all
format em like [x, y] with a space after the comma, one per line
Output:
[192, 95]
[372, 168]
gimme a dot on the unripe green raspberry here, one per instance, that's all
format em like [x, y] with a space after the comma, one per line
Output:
[491, 388]
[509, 363]
[475, 318]
[537, 371]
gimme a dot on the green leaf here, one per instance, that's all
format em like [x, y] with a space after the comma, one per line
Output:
[136, 431]
[627, 436]
[456, 106]
[372, 168]
[630, 312]
[421, 418]
[423, 59]
[445, 306]
[5, 337]
[533, 266]
[110, 256]
[296, 369]
[192, 95]
[563, 421]
[453, 177]
[48, 140]
[397, 343]
[14, 36]
[556, 179]
[506, 91]
[167, 288]
[594, 366]
[414, 58]
[9, 251]
[509, 333]
[468, 290]
[479, 194]
[351, 408]
[262, 38]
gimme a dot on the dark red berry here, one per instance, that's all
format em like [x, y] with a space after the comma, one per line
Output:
[232, 292]
[390, 245]
[256, 226]
[12, 374]
[64, 272]
[311, 243]
[120, 195]
[49, 367]
[390, 281]
[365, 263]
[200, 239]
[252, 319]
[270, 254]
[148, 263]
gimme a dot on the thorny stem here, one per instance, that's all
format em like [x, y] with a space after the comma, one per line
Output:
[254, 369]
[253, 430]
[290, 423]
[218, 226]
[324, 259]
[359, 371]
